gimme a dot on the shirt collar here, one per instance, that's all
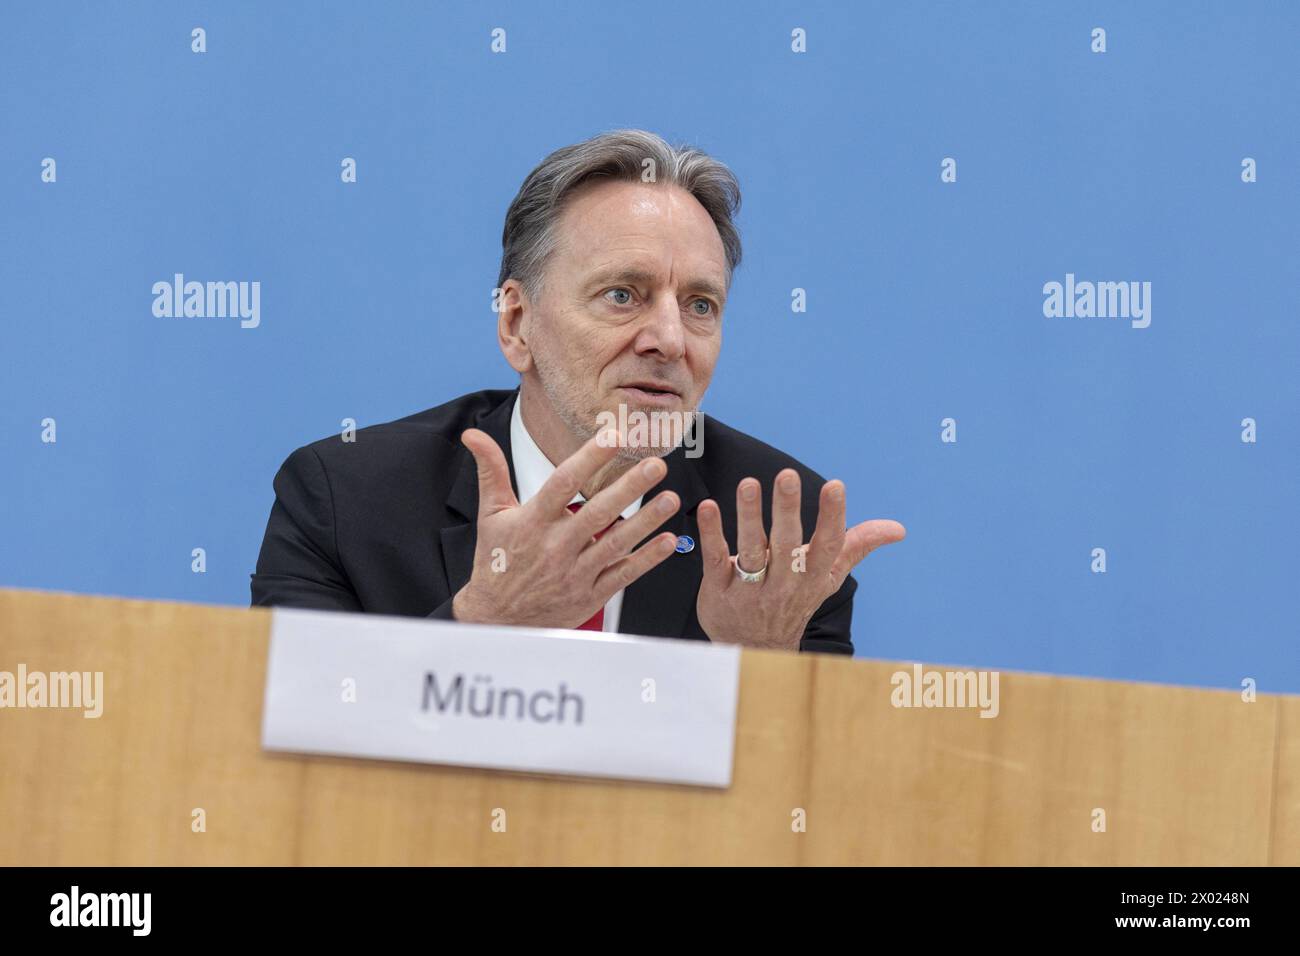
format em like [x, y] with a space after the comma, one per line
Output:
[533, 468]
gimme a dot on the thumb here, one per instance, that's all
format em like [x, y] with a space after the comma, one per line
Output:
[494, 490]
[864, 538]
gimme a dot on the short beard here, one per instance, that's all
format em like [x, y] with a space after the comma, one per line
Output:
[568, 402]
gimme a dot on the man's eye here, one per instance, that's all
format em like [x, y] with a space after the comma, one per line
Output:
[708, 307]
[620, 292]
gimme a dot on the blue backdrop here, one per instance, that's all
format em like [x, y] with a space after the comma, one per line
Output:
[925, 298]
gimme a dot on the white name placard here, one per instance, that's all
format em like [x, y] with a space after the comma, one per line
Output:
[539, 700]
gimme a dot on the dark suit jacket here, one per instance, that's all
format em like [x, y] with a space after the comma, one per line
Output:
[386, 524]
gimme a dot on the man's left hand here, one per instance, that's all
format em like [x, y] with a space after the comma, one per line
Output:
[775, 611]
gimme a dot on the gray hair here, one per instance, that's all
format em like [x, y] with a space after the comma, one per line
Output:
[529, 237]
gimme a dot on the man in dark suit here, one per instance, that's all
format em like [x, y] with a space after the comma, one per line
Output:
[552, 505]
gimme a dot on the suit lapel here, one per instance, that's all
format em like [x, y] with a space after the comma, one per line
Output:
[459, 539]
[659, 603]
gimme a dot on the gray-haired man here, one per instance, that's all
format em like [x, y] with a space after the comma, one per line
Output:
[520, 507]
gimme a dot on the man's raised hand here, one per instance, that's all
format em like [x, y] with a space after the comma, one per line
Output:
[537, 563]
[775, 611]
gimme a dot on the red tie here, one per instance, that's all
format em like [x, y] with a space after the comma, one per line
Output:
[597, 622]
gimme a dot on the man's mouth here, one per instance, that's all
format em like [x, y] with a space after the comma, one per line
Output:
[652, 388]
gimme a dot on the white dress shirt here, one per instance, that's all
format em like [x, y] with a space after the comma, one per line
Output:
[532, 468]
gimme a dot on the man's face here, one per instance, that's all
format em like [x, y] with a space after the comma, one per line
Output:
[631, 312]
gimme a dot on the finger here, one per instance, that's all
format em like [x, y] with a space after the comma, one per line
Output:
[615, 543]
[567, 480]
[623, 572]
[603, 508]
[713, 546]
[828, 537]
[494, 490]
[862, 539]
[751, 542]
[787, 527]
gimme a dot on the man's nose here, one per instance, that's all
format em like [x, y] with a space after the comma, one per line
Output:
[663, 331]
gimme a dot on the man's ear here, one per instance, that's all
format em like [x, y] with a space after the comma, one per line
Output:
[514, 311]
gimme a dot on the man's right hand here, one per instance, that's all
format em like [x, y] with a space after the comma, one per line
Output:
[550, 571]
